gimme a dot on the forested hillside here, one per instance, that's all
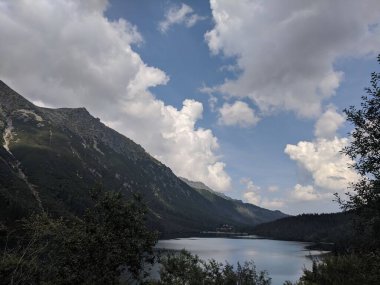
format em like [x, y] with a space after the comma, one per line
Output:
[335, 227]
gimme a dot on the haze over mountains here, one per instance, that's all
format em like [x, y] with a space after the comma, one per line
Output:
[51, 158]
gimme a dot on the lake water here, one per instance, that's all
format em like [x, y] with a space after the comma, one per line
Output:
[284, 260]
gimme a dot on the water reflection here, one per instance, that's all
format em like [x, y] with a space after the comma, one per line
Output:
[284, 260]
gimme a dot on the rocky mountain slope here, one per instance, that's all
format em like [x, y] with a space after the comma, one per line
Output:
[235, 209]
[51, 158]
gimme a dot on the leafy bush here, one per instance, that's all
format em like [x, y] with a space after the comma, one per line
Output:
[184, 268]
[348, 269]
[110, 239]
[364, 149]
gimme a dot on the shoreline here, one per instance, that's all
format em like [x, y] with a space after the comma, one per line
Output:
[312, 245]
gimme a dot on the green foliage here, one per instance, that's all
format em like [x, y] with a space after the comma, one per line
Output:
[365, 146]
[110, 239]
[349, 269]
[364, 149]
[183, 268]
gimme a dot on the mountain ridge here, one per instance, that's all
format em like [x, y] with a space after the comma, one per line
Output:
[58, 155]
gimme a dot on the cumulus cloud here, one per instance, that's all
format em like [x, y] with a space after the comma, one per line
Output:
[324, 161]
[305, 193]
[238, 113]
[183, 14]
[286, 49]
[66, 53]
[329, 123]
[321, 159]
[252, 195]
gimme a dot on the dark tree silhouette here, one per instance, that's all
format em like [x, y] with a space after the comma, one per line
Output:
[364, 149]
[110, 239]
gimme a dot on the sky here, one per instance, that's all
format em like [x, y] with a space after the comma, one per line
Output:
[245, 96]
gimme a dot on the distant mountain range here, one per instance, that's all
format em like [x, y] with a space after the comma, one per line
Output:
[51, 158]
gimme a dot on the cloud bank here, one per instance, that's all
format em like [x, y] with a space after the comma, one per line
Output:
[238, 113]
[67, 53]
[286, 49]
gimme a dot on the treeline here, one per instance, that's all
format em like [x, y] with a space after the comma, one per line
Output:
[334, 228]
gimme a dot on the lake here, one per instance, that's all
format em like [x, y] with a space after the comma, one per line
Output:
[284, 260]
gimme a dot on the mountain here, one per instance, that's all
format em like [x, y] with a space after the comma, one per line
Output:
[51, 158]
[199, 186]
[234, 209]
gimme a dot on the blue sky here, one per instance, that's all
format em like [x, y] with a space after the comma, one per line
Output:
[256, 152]
[245, 96]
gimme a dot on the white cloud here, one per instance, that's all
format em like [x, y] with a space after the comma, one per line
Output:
[212, 101]
[183, 14]
[256, 199]
[252, 195]
[287, 49]
[238, 113]
[66, 53]
[274, 204]
[250, 186]
[328, 123]
[305, 193]
[329, 169]
[324, 161]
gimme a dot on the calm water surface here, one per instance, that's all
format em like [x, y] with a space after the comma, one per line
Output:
[284, 260]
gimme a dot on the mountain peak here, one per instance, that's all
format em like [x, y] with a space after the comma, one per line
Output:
[80, 112]
[11, 100]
